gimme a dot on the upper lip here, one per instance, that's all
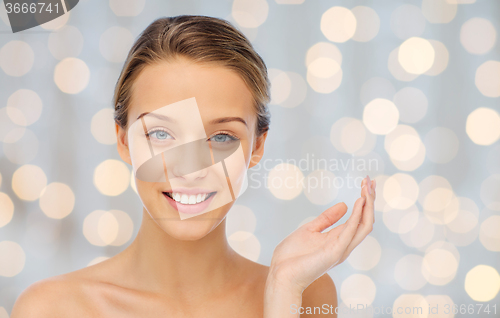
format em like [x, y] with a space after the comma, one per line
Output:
[190, 190]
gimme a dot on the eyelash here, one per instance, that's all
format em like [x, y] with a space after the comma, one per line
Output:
[233, 137]
[154, 130]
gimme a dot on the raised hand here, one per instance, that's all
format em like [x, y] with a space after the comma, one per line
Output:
[308, 252]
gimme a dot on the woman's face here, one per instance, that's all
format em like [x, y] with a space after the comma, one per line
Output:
[190, 138]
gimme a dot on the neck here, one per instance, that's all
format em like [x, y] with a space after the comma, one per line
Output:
[178, 268]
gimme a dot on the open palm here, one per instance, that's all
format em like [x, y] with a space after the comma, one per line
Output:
[308, 252]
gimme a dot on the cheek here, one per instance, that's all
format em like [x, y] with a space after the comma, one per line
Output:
[218, 176]
[246, 146]
[236, 166]
[146, 190]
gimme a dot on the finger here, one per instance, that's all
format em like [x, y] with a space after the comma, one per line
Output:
[363, 185]
[336, 230]
[347, 234]
[339, 242]
[344, 242]
[364, 227]
[369, 184]
[365, 189]
[374, 184]
[368, 215]
[360, 235]
[368, 189]
[327, 218]
[371, 187]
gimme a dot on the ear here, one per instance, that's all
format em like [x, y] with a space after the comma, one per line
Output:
[122, 144]
[258, 150]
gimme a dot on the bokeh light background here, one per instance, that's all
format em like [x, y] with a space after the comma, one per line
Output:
[413, 86]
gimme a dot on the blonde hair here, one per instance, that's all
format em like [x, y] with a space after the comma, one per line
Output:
[201, 39]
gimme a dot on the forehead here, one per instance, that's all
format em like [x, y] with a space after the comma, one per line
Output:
[219, 91]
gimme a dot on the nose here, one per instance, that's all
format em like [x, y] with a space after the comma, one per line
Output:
[189, 160]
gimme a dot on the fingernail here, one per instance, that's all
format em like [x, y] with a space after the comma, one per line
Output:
[369, 185]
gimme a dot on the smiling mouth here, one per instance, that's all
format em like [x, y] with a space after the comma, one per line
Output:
[191, 199]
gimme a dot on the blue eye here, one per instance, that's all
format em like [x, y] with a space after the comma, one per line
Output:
[159, 135]
[223, 138]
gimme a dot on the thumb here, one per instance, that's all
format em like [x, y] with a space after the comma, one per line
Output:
[327, 218]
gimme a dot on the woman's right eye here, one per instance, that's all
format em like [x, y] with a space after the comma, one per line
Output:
[159, 135]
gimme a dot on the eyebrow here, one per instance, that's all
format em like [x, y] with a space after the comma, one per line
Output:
[227, 119]
[212, 122]
[159, 116]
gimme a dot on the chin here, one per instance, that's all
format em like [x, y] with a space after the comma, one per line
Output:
[192, 229]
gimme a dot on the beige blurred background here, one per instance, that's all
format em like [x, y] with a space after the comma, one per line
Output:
[407, 92]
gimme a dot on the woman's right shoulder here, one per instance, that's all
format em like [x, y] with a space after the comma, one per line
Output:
[58, 296]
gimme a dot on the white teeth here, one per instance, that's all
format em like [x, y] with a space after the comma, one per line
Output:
[192, 199]
[189, 199]
[184, 199]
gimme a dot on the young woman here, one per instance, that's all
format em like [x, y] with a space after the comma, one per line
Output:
[183, 266]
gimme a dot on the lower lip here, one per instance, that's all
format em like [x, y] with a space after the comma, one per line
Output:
[190, 208]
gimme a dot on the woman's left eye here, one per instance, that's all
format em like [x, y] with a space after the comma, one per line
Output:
[223, 138]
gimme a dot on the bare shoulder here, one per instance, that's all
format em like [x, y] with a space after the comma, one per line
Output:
[57, 296]
[43, 298]
[322, 295]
